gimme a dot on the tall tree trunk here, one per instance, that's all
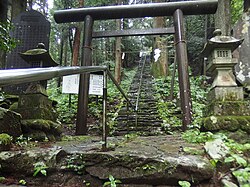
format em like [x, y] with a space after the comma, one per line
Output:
[18, 6]
[66, 47]
[246, 5]
[3, 18]
[160, 66]
[76, 46]
[77, 40]
[118, 56]
[3, 10]
[223, 17]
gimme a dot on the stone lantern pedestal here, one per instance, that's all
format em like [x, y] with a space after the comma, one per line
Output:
[226, 108]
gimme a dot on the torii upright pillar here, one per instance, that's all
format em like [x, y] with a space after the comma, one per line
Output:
[86, 60]
[182, 61]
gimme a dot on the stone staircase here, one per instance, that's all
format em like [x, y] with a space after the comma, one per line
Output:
[146, 121]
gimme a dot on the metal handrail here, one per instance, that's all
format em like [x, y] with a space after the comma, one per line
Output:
[139, 93]
[18, 76]
[140, 83]
[120, 89]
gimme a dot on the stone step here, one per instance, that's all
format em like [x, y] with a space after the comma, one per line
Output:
[147, 116]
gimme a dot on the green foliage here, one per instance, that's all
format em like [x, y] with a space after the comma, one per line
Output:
[2, 179]
[170, 111]
[236, 10]
[23, 141]
[40, 167]
[243, 176]
[184, 183]
[112, 182]
[131, 136]
[65, 110]
[148, 167]
[193, 151]
[76, 164]
[195, 136]
[22, 182]
[5, 139]
[6, 42]
[236, 158]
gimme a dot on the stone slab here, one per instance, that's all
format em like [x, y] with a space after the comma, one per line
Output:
[227, 123]
[227, 108]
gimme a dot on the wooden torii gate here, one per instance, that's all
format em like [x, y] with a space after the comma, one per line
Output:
[175, 9]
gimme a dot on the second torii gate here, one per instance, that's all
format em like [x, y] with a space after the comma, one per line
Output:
[175, 9]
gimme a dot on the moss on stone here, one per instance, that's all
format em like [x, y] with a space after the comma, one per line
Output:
[5, 142]
[38, 124]
[229, 123]
[36, 106]
[14, 106]
[10, 122]
[5, 139]
[37, 135]
[40, 129]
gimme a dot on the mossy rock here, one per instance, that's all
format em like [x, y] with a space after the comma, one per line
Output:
[239, 136]
[37, 124]
[37, 135]
[228, 123]
[38, 113]
[5, 142]
[10, 122]
[40, 129]
[8, 100]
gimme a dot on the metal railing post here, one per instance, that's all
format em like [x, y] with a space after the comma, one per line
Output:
[104, 116]
[139, 92]
[171, 96]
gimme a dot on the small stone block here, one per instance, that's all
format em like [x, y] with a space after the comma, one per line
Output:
[226, 94]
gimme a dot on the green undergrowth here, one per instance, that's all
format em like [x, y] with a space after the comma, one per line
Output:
[234, 162]
[169, 108]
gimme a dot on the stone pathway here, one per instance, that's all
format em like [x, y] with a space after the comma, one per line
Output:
[136, 161]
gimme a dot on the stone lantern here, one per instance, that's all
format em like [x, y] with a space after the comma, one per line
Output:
[226, 108]
[39, 118]
[38, 58]
[218, 51]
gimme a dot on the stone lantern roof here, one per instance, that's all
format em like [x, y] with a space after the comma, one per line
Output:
[39, 54]
[220, 42]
